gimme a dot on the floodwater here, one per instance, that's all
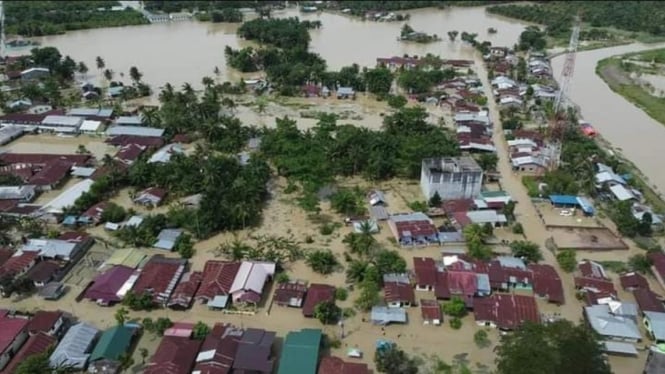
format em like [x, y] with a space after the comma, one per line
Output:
[628, 128]
[181, 52]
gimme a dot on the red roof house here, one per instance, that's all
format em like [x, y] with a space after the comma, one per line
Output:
[143, 141]
[151, 196]
[52, 174]
[36, 344]
[180, 329]
[19, 264]
[43, 272]
[595, 285]
[13, 333]
[335, 365]
[633, 281]
[425, 269]
[218, 350]
[184, 294]
[175, 355]
[46, 321]
[441, 289]
[546, 283]
[160, 277]
[290, 294]
[648, 301]
[317, 293]
[507, 312]
[658, 259]
[459, 205]
[42, 159]
[591, 269]
[431, 312]
[94, 213]
[399, 294]
[129, 153]
[218, 276]
[105, 287]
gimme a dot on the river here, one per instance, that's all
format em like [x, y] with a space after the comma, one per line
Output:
[186, 51]
[629, 129]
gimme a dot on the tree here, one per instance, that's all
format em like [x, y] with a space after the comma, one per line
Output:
[327, 312]
[396, 101]
[455, 323]
[453, 35]
[378, 80]
[100, 63]
[532, 39]
[38, 363]
[200, 330]
[558, 347]
[126, 361]
[82, 150]
[567, 260]
[389, 261]
[368, 297]
[82, 68]
[108, 74]
[435, 200]
[184, 246]
[113, 213]
[162, 324]
[341, 294]
[148, 324]
[455, 307]
[481, 339]
[527, 250]
[322, 261]
[121, 315]
[135, 74]
[392, 360]
[640, 263]
[488, 161]
[509, 210]
[488, 229]
[282, 278]
[347, 202]
[144, 354]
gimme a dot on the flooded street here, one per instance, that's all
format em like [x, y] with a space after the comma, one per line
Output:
[180, 52]
[628, 128]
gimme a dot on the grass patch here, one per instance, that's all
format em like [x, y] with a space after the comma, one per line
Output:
[615, 266]
[531, 184]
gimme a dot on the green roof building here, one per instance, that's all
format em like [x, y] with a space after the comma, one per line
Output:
[300, 353]
[113, 343]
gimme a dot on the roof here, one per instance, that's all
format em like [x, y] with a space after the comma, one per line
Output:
[219, 349]
[591, 269]
[83, 172]
[68, 197]
[457, 205]
[52, 173]
[441, 289]
[413, 226]
[73, 346]
[106, 285]
[563, 199]
[252, 276]
[184, 293]
[95, 211]
[56, 120]
[317, 293]
[430, 310]
[546, 282]
[17, 263]
[633, 280]
[609, 176]
[116, 130]
[511, 262]
[396, 292]
[51, 248]
[657, 324]
[113, 343]
[164, 154]
[335, 365]
[36, 344]
[461, 282]
[506, 311]
[129, 120]
[618, 347]
[130, 257]
[51, 290]
[486, 216]
[300, 353]
[43, 321]
[181, 329]
[382, 315]
[379, 212]
[658, 259]
[41, 158]
[655, 361]
[43, 271]
[145, 141]
[167, 238]
[345, 91]
[175, 355]
[217, 279]
[606, 324]
[290, 293]
[648, 301]
[129, 152]
[254, 351]
[425, 269]
[90, 112]
[595, 284]
[160, 276]
[10, 328]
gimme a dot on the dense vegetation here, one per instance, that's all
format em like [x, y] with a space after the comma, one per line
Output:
[177, 6]
[637, 16]
[36, 18]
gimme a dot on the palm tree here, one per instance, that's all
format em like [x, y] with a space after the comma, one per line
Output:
[100, 63]
[82, 68]
[208, 82]
[217, 71]
[355, 272]
[135, 74]
[474, 233]
[167, 93]
[188, 90]
[108, 74]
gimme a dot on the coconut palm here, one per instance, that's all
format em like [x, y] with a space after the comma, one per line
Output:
[108, 74]
[208, 82]
[100, 63]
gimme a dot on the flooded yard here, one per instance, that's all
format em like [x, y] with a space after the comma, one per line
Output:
[45, 143]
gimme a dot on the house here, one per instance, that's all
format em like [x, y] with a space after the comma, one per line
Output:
[335, 365]
[529, 163]
[300, 353]
[346, 93]
[376, 197]
[184, 293]
[431, 312]
[510, 102]
[648, 301]
[658, 267]
[167, 239]
[112, 345]
[382, 315]
[247, 287]
[51, 175]
[24, 194]
[632, 281]
[151, 196]
[159, 277]
[480, 217]
[94, 114]
[34, 345]
[67, 198]
[570, 201]
[10, 133]
[291, 293]
[218, 277]
[451, 178]
[94, 214]
[46, 322]
[316, 294]
[150, 142]
[58, 249]
[74, 348]
[498, 52]
[609, 326]
[547, 283]
[106, 287]
[219, 349]
[180, 329]
[413, 229]
[130, 257]
[425, 270]
[175, 355]
[13, 333]
[18, 264]
[398, 291]
[457, 283]
[506, 312]
[312, 90]
[396, 62]
[621, 193]
[254, 352]
[52, 291]
[654, 322]
[34, 73]
[128, 154]
[43, 272]
[164, 154]
[128, 121]
[152, 132]
[655, 363]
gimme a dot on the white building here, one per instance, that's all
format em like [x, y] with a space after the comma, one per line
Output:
[23, 193]
[452, 178]
[65, 124]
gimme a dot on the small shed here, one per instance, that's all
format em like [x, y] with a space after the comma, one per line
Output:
[167, 239]
[382, 315]
[290, 294]
[431, 312]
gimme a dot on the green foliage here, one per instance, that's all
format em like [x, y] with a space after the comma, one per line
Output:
[379, 81]
[36, 363]
[422, 81]
[113, 213]
[148, 324]
[281, 32]
[368, 297]
[488, 161]
[393, 360]
[200, 331]
[532, 39]
[327, 312]
[622, 215]
[226, 15]
[184, 246]
[162, 324]
[10, 180]
[641, 263]
[418, 206]
[396, 101]
[455, 323]
[277, 249]
[558, 347]
[567, 260]
[348, 202]
[144, 235]
[322, 261]
[435, 200]
[518, 228]
[327, 229]
[529, 251]
[341, 294]
[475, 236]
[135, 302]
[389, 261]
[282, 278]
[455, 307]
[37, 18]
[481, 339]
[121, 316]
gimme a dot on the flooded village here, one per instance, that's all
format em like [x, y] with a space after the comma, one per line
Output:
[323, 199]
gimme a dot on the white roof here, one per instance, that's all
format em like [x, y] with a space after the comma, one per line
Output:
[16, 192]
[55, 120]
[134, 221]
[164, 154]
[509, 100]
[406, 217]
[134, 130]
[609, 176]
[618, 347]
[167, 238]
[73, 346]
[68, 197]
[527, 160]
[45, 70]
[479, 117]
[91, 126]
[79, 171]
[486, 216]
[128, 285]
[606, 324]
[252, 276]
[520, 142]
[129, 120]
[384, 315]
[511, 262]
[50, 248]
[92, 112]
[621, 193]
[657, 324]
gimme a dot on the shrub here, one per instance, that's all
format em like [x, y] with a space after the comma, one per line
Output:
[456, 323]
[518, 229]
[341, 294]
[327, 229]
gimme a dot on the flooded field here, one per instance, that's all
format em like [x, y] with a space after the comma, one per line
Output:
[54, 144]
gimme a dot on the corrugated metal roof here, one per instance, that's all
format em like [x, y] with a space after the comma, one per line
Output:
[300, 353]
[621, 192]
[74, 345]
[68, 197]
[606, 324]
[657, 324]
[383, 315]
[134, 130]
[618, 347]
